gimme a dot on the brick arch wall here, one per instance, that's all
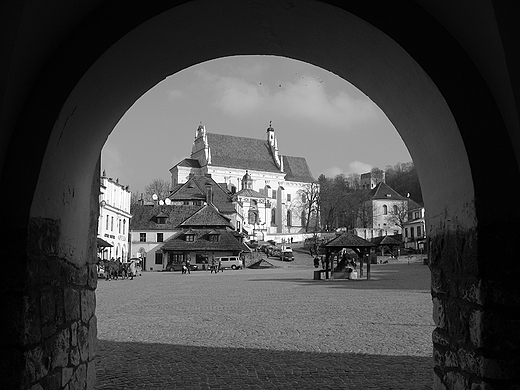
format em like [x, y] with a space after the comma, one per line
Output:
[409, 65]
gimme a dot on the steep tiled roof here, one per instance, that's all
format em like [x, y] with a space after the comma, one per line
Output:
[226, 242]
[145, 217]
[195, 189]
[254, 154]
[207, 216]
[188, 162]
[297, 169]
[384, 191]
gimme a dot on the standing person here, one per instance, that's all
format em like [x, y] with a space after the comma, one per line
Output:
[188, 265]
[219, 266]
[213, 265]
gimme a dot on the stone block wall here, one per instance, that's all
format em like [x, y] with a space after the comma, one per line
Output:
[60, 327]
[477, 316]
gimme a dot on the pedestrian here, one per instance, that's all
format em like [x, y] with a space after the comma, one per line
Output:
[188, 266]
[220, 266]
[213, 265]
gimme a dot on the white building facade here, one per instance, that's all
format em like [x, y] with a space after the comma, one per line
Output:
[114, 218]
[280, 183]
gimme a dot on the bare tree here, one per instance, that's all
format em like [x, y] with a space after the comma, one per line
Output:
[159, 187]
[309, 202]
[399, 214]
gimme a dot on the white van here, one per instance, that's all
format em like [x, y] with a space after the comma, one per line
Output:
[232, 262]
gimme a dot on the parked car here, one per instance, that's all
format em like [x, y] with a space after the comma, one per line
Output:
[178, 267]
[287, 256]
[232, 262]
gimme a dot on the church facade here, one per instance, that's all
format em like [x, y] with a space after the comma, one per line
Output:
[271, 189]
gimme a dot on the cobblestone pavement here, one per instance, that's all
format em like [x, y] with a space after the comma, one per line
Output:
[270, 328]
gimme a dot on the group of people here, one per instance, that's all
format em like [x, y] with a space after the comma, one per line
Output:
[216, 265]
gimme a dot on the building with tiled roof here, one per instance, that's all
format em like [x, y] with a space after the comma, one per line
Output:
[387, 211]
[166, 235]
[279, 182]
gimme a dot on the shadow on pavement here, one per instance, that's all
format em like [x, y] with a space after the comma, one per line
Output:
[392, 277]
[126, 365]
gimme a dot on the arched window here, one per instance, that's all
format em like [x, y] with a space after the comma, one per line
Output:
[395, 209]
[385, 209]
[289, 218]
[252, 217]
[273, 216]
[124, 226]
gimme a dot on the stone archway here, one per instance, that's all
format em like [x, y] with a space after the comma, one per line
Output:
[99, 63]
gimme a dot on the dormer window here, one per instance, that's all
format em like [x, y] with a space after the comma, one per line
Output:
[190, 236]
[214, 236]
[161, 220]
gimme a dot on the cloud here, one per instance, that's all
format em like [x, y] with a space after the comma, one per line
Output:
[305, 99]
[353, 167]
[359, 167]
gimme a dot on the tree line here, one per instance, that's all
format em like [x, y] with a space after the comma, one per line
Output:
[343, 201]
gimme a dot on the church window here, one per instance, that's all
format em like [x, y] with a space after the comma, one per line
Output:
[252, 217]
[274, 194]
[289, 218]
[395, 209]
[288, 197]
[273, 216]
[385, 209]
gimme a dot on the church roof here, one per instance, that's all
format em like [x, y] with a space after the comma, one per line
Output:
[254, 154]
[384, 191]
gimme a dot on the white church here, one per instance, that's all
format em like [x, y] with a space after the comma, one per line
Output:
[271, 190]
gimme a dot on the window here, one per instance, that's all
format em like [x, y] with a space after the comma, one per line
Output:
[142, 237]
[273, 216]
[289, 218]
[161, 220]
[288, 197]
[304, 198]
[406, 232]
[190, 237]
[419, 231]
[119, 226]
[412, 232]
[112, 224]
[158, 258]
[238, 225]
[214, 237]
[108, 218]
[274, 194]
[252, 217]
[124, 226]
[385, 209]
[303, 218]
[159, 237]
[395, 209]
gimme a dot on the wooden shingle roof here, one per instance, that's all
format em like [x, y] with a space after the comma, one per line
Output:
[207, 216]
[226, 242]
[348, 240]
[144, 217]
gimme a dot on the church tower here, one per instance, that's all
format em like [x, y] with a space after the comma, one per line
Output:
[273, 147]
[200, 149]
[247, 181]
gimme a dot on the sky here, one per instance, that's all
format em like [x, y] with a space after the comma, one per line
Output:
[315, 114]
